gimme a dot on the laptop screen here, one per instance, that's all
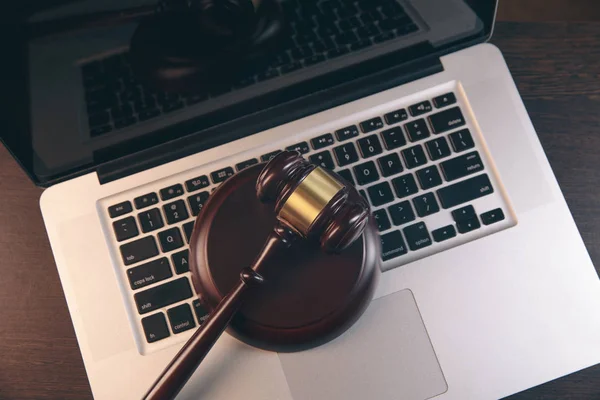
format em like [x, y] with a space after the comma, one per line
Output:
[75, 104]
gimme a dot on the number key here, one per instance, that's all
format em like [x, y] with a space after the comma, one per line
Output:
[323, 159]
[175, 212]
[369, 146]
[197, 202]
[346, 154]
[150, 220]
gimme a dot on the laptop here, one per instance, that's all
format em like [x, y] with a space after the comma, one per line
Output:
[486, 286]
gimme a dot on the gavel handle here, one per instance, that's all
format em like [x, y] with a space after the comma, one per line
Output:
[195, 350]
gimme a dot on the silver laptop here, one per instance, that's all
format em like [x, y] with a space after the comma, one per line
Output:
[487, 288]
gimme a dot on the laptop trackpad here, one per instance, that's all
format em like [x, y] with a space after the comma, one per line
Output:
[385, 355]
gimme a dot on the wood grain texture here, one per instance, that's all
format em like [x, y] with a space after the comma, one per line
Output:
[556, 69]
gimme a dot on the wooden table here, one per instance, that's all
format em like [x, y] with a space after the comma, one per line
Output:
[557, 71]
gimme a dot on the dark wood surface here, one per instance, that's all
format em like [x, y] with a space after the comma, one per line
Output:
[557, 71]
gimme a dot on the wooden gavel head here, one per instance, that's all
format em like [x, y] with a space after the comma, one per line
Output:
[312, 201]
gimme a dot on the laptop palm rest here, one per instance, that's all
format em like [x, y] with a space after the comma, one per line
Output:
[385, 355]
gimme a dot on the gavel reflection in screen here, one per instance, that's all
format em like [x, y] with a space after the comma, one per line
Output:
[311, 204]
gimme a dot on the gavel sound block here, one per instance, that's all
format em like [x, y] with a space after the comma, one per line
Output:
[308, 296]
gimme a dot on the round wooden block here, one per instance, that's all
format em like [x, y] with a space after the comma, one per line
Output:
[308, 297]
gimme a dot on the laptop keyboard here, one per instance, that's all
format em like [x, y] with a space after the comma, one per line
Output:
[321, 30]
[412, 164]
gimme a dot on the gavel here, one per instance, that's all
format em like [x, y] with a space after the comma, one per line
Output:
[310, 204]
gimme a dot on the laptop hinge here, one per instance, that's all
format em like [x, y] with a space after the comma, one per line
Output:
[237, 122]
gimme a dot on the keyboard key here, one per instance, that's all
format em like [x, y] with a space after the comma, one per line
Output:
[467, 190]
[438, 148]
[148, 114]
[188, 228]
[181, 318]
[139, 250]
[100, 130]
[302, 148]
[291, 67]
[429, 177]
[125, 228]
[461, 140]
[201, 311]
[361, 44]
[268, 156]
[417, 236]
[405, 185]
[197, 201]
[340, 51]
[145, 201]
[414, 157]
[347, 175]
[245, 164]
[382, 220]
[151, 220]
[120, 209]
[346, 133]
[425, 204]
[417, 130]
[401, 213]
[491, 217]
[462, 166]
[369, 146]
[125, 122]
[312, 60]
[322, 141]
[468, 225]
[380, 194]
[392, 245]
[181, 261]
[155, 327]
[384, 37]
[444, 100]
[446, 120]
[393, 138]
[396, 116]
[149, 273]
[346, 154]
[420, 108]
[366, 173]
[371, 125]
[221, 174]
[444, 233]
[197, 183]
[175, 212]
[163, 295]
[323, 159]
[100, 118]
[390, 165]
[463, 213]
[171, 192]
[170, 239]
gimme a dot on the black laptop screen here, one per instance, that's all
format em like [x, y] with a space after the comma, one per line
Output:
[74, 103]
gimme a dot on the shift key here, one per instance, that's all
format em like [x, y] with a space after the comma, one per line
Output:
[139, 250]
[163, 295]
[465, 191]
